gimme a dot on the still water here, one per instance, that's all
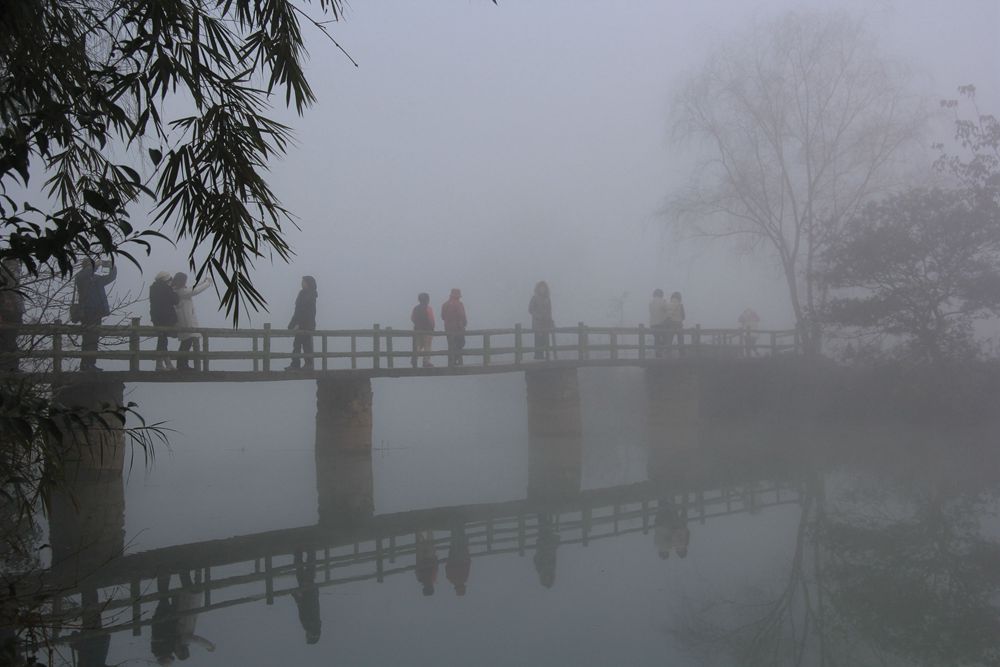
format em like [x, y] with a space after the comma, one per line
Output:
[484, 530]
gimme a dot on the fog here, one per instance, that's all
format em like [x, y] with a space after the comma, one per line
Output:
[488, 147]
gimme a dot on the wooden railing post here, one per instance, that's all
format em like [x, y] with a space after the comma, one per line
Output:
[133, 345]
[774, 343]
[486, 349]
[696, 339]
[354, 351]
[613, 340]
[376, 345]
[324, 348]
[581, 341]
[57, 349]
[268, 567]
[204, 351]
[388, 347]
[518, 352]
[642, 341]
[267, 347]
[256, 361]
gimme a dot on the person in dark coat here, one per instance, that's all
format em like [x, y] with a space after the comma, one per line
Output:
[422, 317]
[459, 562]
[453, 316]
[11, 313]
[162, 312]
[307, 596]
[540, 309]
[303, 319]
[92, 300]
[165, 628]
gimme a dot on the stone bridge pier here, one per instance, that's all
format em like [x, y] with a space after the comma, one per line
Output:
[344, 483]
[87, 510]
[555, 434]
[674, 422]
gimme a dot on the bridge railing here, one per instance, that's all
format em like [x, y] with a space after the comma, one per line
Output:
[55, 348]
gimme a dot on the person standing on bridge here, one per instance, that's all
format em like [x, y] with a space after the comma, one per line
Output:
[659, 320]
[422, 317]
[304, 319]
[92, 305]
[749, 321]
[675, 315]
[163, 313]
[453, 316]
[186, 319]
[540, 309]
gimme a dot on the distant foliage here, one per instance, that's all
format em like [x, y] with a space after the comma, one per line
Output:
[924, 265]
[802, 121]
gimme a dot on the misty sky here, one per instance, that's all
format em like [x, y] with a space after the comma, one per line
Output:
[488, 147]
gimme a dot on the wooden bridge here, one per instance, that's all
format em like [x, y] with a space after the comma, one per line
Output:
[369, 550]
[50, 352]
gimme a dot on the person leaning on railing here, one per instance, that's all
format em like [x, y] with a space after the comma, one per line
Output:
[186, 319]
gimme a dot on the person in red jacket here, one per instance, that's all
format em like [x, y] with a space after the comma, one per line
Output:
[427, 561]
[453, 316]
[459, 561]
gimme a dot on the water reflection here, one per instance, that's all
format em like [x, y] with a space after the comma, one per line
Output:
[741, 546]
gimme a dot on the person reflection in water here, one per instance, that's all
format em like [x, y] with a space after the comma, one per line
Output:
[187, 601]
[307, 596]
[427, 561]
[165, 625]
[90, 645]
[545, 551]
[671, 529]
[172, 628]
[459, 561]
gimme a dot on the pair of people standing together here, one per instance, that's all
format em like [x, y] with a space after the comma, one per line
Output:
[171, 304]
[454, 319]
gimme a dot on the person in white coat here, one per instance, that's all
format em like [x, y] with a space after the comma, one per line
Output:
[186, 319]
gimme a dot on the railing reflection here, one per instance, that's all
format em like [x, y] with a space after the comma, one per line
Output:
[297, 562]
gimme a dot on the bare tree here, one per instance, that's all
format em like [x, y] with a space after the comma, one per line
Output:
[803, 121]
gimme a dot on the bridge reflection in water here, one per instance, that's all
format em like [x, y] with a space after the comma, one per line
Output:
[686, 484]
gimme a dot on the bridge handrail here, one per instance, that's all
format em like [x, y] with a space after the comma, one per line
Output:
[378, 346]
